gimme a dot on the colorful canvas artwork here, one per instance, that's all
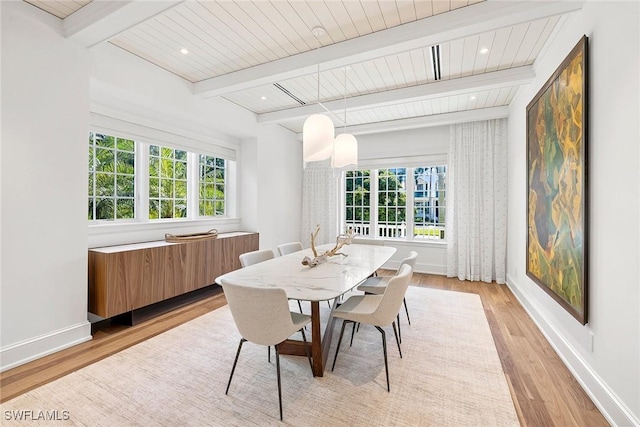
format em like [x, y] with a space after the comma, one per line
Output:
[557, 184]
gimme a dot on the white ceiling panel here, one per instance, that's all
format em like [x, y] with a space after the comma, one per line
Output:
[262, 55]
[441, 105]
[59, 8]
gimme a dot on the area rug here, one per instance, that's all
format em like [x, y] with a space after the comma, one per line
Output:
[450, 375]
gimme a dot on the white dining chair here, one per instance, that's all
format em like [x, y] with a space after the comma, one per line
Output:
[255, 257]
[262, 317]
[289, 248]
[377, 285]
[376, 310]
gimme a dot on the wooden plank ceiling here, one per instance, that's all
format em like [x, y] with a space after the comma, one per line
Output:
[267, 49]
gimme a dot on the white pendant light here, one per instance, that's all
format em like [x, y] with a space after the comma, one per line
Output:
[345, 146]
[345, 151]
[317, 138]
[318, 132]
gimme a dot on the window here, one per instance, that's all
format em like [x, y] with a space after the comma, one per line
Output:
[429, 202]
[176, 185]
[112, 170]
[392, 202]
[211, 183]
[401, 203]
[167, 183]
[358, 200]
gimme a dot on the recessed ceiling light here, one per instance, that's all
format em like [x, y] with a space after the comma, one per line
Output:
[472, 98]
[484, 50]
[263, 97]
[184, 51]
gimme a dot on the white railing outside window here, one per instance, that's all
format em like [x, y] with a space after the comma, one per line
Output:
[396, 203]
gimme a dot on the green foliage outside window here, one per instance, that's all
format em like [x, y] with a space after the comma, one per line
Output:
[211, 185]
[167, 183]
[111, 178]
[112, 181]
[392, 196]
[387, 208]
[358, 194]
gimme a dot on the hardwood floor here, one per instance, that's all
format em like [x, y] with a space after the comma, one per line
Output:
[543, 390]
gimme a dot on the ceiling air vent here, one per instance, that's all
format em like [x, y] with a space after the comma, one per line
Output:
[289, 94]
[435, 61]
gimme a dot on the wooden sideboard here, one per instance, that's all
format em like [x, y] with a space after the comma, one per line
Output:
[124, 278]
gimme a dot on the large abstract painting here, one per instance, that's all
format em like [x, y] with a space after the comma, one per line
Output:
[557, 184]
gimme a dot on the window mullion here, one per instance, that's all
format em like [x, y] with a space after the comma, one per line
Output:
[142, 181]
[373, 202]
[193, 193]
[93, 172]
[410, 198]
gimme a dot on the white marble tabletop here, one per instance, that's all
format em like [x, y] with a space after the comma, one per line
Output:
[323, 282]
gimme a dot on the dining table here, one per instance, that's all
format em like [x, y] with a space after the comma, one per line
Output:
[327, 281]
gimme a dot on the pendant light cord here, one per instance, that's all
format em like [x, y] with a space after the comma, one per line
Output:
[318, 55]
[345, 99]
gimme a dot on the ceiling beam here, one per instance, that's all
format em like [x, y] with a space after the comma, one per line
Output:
[463, 85]
[100, 21]
[429, 121]
[457, 24]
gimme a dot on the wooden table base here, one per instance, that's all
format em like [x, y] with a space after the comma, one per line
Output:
[319, 344]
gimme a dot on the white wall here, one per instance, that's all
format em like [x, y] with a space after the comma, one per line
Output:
[138, 89]
[49, 87]
[279, 190]
[132, 90]
[611, 371]
[404, 143]
[45, 104]
[248, 184]
[407, 144]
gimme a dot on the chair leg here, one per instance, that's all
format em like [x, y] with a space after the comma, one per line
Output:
[279, 385]
[397, 341]
[269, 354]
[300, 307]
[242, 340]
[399, 331]
[353, 331]
[344, 322]
[384, 350]
[306, 350]
[406, 310]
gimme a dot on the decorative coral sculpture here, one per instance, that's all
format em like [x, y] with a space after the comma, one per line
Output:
[341, 240]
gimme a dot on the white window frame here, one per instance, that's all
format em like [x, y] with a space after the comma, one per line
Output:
[114, 197]
[373, 166]
[197, 185]
[145, 130]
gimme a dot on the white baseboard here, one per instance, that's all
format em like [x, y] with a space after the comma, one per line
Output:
[603, 397]
[25, 351]
[419, 268]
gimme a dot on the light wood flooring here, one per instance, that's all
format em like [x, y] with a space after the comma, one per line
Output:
[543, 390]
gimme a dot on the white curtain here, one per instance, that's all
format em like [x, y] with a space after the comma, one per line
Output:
[319, 203]
[476, 223]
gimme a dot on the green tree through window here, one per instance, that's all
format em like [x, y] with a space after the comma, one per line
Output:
[111, 177]
[167, 182]
[212, 186]
[358, 198]
[404, 203]
[116, 184]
